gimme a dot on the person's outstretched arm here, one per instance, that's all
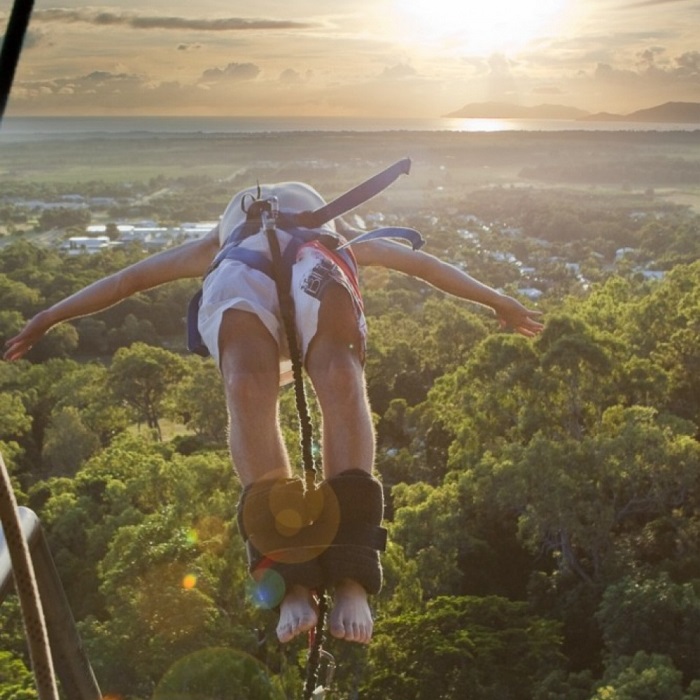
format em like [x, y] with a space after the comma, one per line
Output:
[510, 312]
[190, 259]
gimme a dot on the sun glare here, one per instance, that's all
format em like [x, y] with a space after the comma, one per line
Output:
[475, 27]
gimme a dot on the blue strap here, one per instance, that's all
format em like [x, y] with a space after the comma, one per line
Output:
[259, 261]
[194, 339]
[357, 195]
[407, 234]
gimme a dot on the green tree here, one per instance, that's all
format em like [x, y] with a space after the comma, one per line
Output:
[132, 330]
[652, 615]
[11, 323]
[198, 400]
[59, 342]
[456, 647]
[16, 680]
[211, 673]
[577, 497]
[141, 376]
[642, 677]
[62, 217]
[17, 296]
[36, 386]
[86, 389]
[68, 442]
[14, 421]
[680, 357]
[426, 523]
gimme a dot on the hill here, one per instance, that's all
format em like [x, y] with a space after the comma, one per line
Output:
[669, 112]
[675, 112]
[505, 110]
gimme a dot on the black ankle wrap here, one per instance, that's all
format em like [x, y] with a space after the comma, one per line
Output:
[360, 537]
[285, 531]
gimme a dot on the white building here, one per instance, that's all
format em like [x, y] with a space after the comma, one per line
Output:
[77, 245]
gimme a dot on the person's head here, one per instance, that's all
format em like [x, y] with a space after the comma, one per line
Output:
[292, 197]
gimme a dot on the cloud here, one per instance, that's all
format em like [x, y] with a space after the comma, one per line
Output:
[33, 38]
[653, 3]
[289, 76]
[398, 72]
[104, 83]
[683, 67]
[233, 72]
[136, 21]
[688, 64]
[547, 90]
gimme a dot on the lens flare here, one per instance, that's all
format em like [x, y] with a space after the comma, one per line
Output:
[267, 591]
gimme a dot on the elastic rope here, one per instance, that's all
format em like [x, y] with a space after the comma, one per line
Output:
[22, 568]
[12, 48]
[27, 590]
[314, 660]
[282, 283]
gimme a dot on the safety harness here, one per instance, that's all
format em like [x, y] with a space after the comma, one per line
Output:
[304, 228]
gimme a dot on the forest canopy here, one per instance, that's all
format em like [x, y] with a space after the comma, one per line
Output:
[543, 497]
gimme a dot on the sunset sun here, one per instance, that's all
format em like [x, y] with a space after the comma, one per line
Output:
[476, 27]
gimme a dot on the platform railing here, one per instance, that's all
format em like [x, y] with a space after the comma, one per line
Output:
[70, 660]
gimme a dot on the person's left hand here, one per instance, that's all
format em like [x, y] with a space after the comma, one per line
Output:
[512, 314]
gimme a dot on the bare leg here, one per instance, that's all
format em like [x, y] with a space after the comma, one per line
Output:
[250, 369]
[335, 369]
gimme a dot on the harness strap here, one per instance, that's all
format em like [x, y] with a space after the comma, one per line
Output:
[357, 195]
[304, 227]
[259, 261]
[398, 232]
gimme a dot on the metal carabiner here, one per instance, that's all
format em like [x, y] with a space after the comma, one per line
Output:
[270, 211]
[321, 690]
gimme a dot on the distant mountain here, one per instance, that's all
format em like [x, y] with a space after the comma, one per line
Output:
[675, 112]
[670, 112]
[505, 110]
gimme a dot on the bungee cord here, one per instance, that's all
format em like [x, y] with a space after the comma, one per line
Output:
[282, 283]
[12, 48]
[22, 568]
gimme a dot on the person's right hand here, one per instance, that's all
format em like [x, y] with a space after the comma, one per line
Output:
[22, 343]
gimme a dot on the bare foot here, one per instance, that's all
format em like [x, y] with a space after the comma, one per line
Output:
[298, 613]
[351, 618]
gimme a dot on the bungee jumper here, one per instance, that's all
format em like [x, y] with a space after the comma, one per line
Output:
[301, 536]
[281, 283]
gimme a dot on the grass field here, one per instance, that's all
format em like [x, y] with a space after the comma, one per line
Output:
[443, 162]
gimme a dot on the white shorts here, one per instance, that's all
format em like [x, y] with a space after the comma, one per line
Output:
[235, 285]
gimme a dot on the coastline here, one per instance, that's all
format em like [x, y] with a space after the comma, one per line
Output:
[31, 128]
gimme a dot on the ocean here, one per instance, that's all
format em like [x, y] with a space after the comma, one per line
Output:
[22, 129]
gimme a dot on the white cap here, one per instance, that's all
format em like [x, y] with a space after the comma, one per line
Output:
[292, 196]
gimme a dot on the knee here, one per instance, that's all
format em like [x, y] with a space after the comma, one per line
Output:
[338, 376]
[245, 388]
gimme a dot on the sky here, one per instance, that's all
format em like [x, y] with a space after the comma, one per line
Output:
[355, 58]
